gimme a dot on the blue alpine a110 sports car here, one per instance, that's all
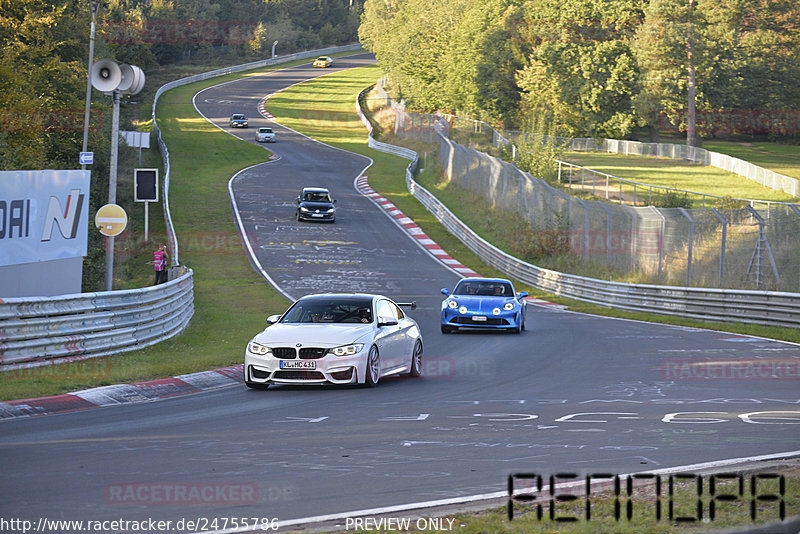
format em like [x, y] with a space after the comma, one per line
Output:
[483, 303]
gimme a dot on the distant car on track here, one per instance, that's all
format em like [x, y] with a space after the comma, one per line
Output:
[489, 303]
[315, 204]
[323, 61]
[265, 135]
[348, 338]
[238, 120]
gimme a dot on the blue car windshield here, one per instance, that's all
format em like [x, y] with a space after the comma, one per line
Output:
[328, 310]
[484, 288]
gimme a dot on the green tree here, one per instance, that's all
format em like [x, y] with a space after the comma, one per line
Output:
[580, 64]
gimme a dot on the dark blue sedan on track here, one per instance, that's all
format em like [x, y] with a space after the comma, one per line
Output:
[483, 303]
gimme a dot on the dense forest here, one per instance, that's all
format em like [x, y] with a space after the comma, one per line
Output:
[604, 68]
[44, 50]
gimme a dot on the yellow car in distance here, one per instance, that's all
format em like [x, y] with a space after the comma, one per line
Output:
[323, 61]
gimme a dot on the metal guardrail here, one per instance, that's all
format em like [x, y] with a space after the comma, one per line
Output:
[39, 331]
[770, 308]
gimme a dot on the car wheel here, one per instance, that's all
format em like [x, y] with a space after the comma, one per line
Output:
[416, 359]
[447, 329]
[373, 367]
[297, 215]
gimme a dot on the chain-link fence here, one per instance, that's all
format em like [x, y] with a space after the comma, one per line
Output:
[729, 248]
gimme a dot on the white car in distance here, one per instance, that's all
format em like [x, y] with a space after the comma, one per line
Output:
[349, 338]
[265, 135]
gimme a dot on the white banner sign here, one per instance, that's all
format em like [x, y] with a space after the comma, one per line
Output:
[44, 215]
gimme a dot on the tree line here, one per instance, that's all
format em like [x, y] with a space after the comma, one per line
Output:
[603, 68]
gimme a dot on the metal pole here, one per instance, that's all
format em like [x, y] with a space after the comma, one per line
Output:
[112, 186]
[722, 246]
[691, 240]
[94, 6]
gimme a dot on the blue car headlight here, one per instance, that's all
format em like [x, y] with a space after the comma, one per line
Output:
[257, 348]
[452, 304]
[508, 306]
[462, 310]
[496, 311]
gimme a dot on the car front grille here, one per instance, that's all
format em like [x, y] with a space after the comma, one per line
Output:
[493, 321]
[284, 353]
[299, 375]
[312, 353]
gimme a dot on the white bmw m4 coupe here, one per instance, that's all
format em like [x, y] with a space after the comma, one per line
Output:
[335, 339]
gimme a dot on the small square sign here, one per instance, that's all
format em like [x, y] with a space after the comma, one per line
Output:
[87, 158]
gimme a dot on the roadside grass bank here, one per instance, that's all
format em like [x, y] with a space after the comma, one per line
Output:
[680, 509]
[679, 174]
[231, 300]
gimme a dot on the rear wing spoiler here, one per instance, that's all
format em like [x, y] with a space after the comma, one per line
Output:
[412, 304]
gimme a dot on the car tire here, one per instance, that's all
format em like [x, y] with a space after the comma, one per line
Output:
[416, 359]
[373, 369]
[297, 215]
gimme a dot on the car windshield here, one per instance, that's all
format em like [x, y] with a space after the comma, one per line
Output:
[330, 310]
[265, 130]
[484, 288]
[238, 117]
[322, 59]
[316, 196]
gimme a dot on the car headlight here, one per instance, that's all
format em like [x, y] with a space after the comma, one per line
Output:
[453, 304]
[303, 209]
[496, 311]
[508, 306]
[347, 350]
[257, 348]
[331, 210]
[462, 310]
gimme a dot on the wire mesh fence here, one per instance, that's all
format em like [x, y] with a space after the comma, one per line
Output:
[746, 248]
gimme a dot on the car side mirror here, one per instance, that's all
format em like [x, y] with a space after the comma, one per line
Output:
[445, 291]
[523, 294]
[298, 200]
[272, 319]
[386, 321]
[334, 201]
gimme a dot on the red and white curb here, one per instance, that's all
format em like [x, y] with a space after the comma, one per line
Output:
[262, 107]
[123, 393]
[362, 185]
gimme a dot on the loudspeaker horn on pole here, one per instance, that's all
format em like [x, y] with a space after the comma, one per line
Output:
[106, 75]
[132, 79]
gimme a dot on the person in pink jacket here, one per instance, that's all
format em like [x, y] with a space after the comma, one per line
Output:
[160, 262]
